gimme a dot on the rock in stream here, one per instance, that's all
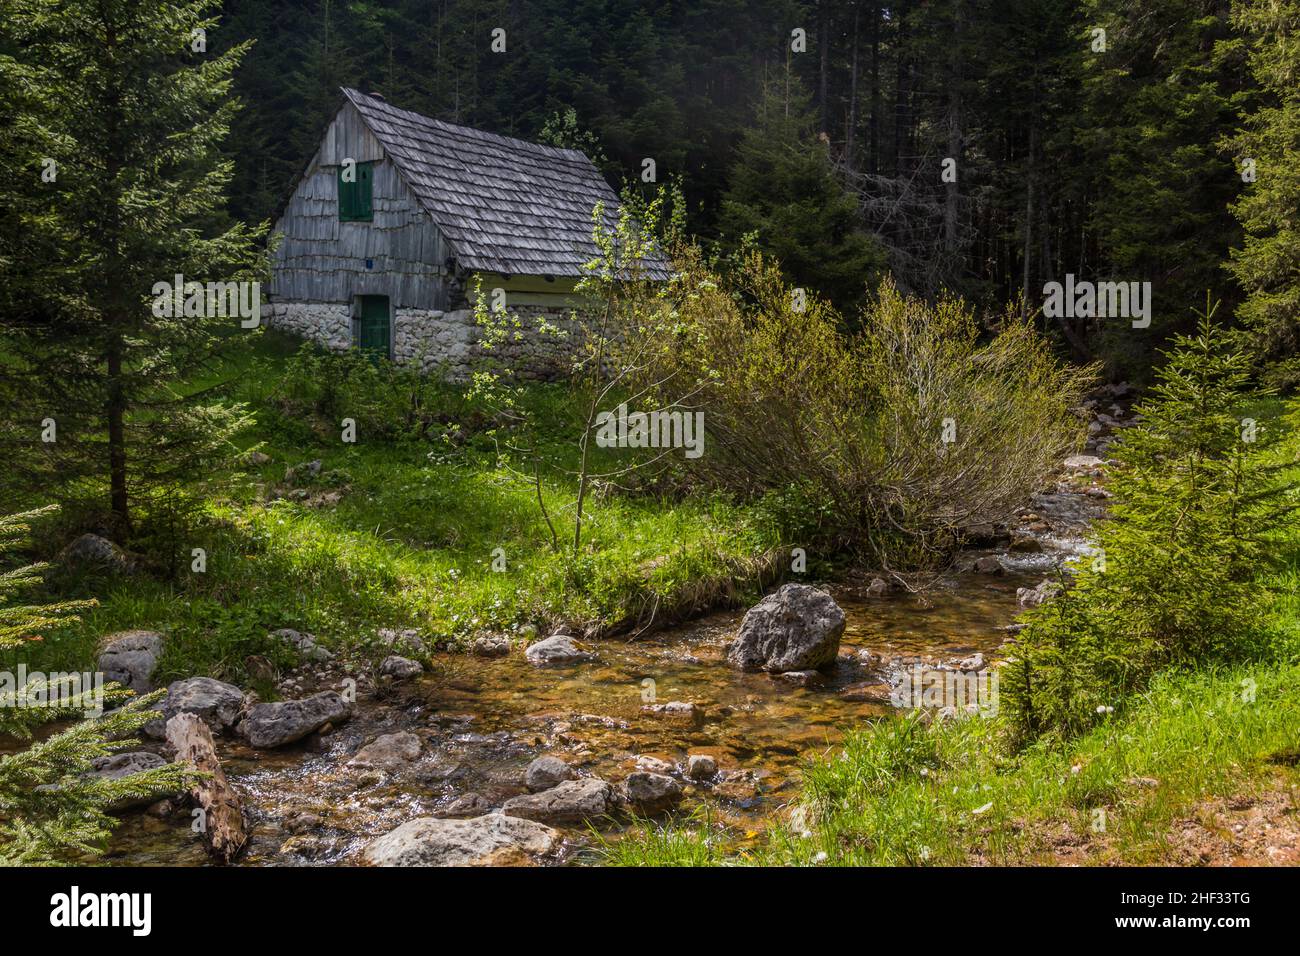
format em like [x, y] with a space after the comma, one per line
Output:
[569, 802]
[798, 628]
[129, 657]
[493, 839]
[283, 722]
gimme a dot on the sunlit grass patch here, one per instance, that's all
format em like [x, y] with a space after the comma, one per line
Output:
[909, 793]
[409, 533]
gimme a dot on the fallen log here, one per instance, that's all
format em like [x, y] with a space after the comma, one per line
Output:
[223, 820]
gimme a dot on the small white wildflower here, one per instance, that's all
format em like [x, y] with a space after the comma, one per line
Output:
[821, 857]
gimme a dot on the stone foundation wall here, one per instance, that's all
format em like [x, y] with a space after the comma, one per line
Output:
[330, 325]
[446, 342]
[436, 341]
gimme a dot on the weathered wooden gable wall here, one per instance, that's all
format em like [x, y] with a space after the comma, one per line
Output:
[320, 259]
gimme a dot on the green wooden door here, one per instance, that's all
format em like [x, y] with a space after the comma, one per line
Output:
[374, 330]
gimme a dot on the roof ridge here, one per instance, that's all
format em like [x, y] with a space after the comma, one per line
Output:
[364, 101]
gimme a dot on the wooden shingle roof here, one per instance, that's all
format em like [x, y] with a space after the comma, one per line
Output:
[505, 205]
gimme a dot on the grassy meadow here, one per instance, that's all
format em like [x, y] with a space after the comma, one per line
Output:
[403, 531]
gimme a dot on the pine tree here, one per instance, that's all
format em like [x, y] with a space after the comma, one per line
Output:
[114, 185]
[1198, 500]
[325, 62]
[273, 112]
[49, 810]
[784, 192]
[1156, 98]
[1267, 149]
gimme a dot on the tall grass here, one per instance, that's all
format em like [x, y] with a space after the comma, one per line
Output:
[409, 542]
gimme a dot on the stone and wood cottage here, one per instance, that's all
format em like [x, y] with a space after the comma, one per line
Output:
[397, 214]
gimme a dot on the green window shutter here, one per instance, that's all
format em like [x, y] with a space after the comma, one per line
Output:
[356, 199]
[347, 198]
[366, 191]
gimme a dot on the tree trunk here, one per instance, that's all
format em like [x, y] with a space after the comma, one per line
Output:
[1029, 222]
[901, 83]
[853, 97]
[224, 821]
[116, 413]
[875, 90]
[584, 475]
[950, 199]
[824, 43]
[116, 317]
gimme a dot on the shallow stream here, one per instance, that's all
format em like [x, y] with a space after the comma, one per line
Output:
[482, 720]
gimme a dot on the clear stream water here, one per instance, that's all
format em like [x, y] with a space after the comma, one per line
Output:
[481, 721]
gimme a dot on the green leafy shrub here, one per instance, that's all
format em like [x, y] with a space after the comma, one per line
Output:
[890, 442]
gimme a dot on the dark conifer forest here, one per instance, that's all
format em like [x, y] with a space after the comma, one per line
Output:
[596, 433]
[1100, 138]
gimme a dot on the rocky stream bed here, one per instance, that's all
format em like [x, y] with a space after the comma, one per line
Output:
[512, 755]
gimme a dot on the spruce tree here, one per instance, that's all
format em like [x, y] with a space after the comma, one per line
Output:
[1174, 581]
[113, 184]
[1267, 149]
[785, 194]
[1156, 98]
[324, 63]
[50, 811]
